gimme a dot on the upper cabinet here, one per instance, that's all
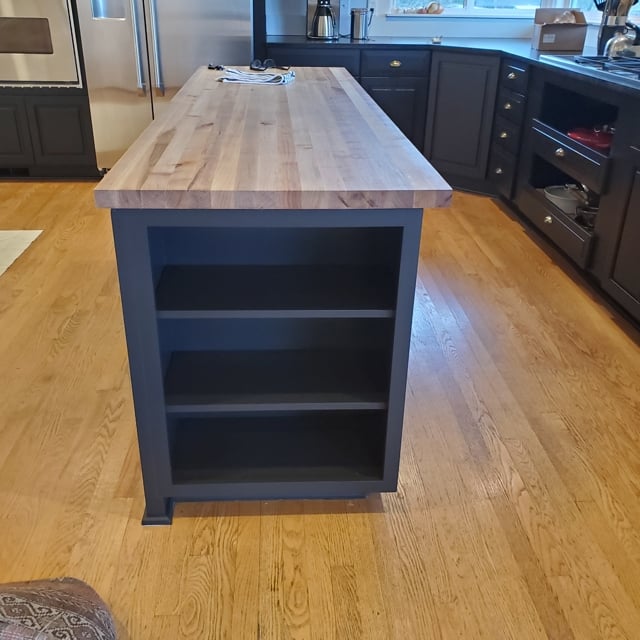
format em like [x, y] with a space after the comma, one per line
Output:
[460, 110]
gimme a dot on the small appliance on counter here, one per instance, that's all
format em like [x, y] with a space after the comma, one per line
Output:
[360, 23]
[624, 43]
[324, 22]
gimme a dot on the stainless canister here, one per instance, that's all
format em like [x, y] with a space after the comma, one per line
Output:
[360, 21]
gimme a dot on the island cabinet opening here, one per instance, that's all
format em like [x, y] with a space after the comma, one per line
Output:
[282, 447]
[276, 349]
[275, 272]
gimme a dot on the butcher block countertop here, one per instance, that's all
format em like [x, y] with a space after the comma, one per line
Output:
[317, 143]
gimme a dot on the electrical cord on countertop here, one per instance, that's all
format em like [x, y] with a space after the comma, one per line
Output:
[246, 77]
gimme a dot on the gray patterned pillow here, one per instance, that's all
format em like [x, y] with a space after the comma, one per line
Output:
[63, 608]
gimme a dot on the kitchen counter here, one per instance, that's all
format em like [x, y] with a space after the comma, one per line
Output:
[318, 143]
[267, 242]
[515, 47]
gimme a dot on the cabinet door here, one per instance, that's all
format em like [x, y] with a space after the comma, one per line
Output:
[404, 100]
[462, 96]
[622, 275]
[61, 130]
[15, 142]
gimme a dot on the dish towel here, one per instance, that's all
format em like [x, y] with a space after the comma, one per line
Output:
[245, 77]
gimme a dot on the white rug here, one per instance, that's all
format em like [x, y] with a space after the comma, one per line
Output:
[13, 244]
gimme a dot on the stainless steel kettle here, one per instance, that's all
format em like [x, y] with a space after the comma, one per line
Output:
[622, 42]
[617, 45]
[323, 25]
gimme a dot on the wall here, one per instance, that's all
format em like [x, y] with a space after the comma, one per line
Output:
[288, 17]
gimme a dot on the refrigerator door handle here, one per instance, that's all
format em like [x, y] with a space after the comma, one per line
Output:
[142, 86]
[155, 47]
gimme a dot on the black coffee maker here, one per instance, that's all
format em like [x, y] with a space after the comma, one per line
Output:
[615, 16]
[324, 25]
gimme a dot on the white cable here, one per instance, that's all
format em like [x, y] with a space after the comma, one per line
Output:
[245, 77]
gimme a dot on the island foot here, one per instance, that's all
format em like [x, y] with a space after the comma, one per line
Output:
[158, 512]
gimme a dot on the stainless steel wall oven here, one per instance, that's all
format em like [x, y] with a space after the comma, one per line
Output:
[38, 44]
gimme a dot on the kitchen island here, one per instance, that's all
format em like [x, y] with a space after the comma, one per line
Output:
[267, 240]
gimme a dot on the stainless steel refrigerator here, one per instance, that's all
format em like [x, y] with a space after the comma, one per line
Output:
[138, 53]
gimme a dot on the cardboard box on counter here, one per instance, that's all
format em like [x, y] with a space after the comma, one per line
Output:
[553, 36]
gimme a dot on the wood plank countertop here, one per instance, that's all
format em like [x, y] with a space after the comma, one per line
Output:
[318, 143]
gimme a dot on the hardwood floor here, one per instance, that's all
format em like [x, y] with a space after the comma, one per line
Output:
[517, 514]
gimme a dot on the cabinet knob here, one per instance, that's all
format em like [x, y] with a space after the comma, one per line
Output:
[559, 152]
[395, 64]
[508, 106]
[499, 170]
[504, 134]
[511, 75]
[548, 219]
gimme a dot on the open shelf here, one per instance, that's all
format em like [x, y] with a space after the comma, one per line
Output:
[200, 291]
[255, 380]
[564, 109]
[331, 446]
[567, 220]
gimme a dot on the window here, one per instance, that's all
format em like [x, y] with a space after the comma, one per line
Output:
[481, 7]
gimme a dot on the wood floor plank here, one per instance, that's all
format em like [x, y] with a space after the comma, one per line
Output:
[517, 513]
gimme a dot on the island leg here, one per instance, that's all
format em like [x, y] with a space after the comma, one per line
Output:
[158, 511]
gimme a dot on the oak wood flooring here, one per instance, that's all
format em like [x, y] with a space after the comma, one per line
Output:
[517, 514]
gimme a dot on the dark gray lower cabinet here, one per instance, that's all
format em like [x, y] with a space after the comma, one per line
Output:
[621, 278]
[268, 350]
[43, 134]
[306, 56]
[60, 130]
[15, 141]
[404, 100]
[462, 96]
[397, 79]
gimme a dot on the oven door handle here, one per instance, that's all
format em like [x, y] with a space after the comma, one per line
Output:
[155, 47]
[142, 85]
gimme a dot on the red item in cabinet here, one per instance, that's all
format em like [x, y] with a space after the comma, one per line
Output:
[598, 139]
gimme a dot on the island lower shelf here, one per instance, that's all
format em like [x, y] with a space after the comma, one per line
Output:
[268, 351]
[290, 447]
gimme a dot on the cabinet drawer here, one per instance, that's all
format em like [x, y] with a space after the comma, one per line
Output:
[514, 77]
[506, 135]
[563, 232]
[510, 105]
[502, 168]
[394, 63]
[315, 57]
[581, 163]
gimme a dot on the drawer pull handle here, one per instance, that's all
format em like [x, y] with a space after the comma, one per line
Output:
[511, 75]
[548, 219]
[559, 152]
[504, 135]
[508, 106]
[395, 64]
[499, 171]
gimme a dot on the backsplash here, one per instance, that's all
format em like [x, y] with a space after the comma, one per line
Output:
[288, 17]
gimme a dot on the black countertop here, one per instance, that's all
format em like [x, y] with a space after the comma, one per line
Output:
[518, 48]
